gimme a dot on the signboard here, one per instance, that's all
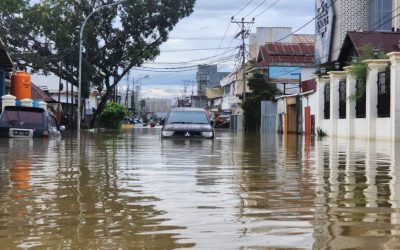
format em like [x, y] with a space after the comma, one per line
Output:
[323, 29]
[279, 74]
[88, 107]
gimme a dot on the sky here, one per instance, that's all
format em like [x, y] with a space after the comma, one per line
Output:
[207, 32]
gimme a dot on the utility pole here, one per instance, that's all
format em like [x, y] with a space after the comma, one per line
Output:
[244, 34]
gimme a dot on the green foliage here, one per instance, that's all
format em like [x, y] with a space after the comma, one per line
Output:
[359, 68]
[321, 133]
[113, 115]
[45, 34]
[261, 91]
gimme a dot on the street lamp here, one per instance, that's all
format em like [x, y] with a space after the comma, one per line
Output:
[80, 58]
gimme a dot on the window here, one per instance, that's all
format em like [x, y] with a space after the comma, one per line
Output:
[21, 117]
[360, 99]
[188, 117]
[327, 101]
[384, 93]
[342, 99]
[380, 17]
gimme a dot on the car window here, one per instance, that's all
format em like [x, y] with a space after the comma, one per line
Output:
[13, 117]
[197, 117]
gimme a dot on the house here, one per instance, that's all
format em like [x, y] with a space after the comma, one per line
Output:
[6, 66]
[348, 107]
[291, 67]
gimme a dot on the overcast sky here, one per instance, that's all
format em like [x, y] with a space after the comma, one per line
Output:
[205, 28]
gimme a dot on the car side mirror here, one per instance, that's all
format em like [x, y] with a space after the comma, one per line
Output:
[212, 123]
[62, 128]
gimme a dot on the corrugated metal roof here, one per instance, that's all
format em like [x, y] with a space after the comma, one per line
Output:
[39, 94]
[301, 38]
[290, 53]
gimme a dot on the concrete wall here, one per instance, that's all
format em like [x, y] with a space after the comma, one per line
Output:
[371, 127]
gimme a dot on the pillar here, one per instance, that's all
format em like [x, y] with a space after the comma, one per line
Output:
[371, 112]
[350, 102]
[43, 105]
[7, 100]
[394, 58]
[335, 77]
[27, 102]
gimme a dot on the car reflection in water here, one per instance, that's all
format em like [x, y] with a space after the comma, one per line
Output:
[187, 123]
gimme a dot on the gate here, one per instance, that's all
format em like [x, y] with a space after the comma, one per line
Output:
[361, 98]
[342, 100]
[327, 101]
[268, 117]
[384, 93]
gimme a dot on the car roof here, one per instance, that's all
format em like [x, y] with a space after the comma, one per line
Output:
[188, 109]
[23, 108]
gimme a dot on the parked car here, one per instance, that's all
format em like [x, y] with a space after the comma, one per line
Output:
[223, 120]
[137, 122]
[28, 122]
[187, 123]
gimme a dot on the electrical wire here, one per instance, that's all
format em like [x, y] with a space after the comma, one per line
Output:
[258, 6]
[269, 7]
[244, 6]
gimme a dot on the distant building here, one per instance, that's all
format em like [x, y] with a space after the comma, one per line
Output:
[153, 105]
[208, 77]
[275, 34]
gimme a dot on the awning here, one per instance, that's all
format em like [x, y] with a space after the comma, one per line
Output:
[5, 59]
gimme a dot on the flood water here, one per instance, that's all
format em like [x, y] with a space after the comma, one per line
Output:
[132, 190]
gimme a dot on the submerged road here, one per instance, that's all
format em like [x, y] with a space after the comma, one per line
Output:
[132, 190]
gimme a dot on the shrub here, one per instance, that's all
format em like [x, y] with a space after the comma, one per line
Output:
[113, 115]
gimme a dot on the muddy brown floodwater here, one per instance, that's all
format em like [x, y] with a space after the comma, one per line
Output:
[132, 190]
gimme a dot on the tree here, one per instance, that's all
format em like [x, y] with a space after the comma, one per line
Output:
[261, 91]
[113, 115]
[45, 35]
[359, 68]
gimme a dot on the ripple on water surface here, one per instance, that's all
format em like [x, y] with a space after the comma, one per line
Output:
[133, 190]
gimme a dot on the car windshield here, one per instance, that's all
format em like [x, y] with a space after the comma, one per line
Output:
[188, 117]
[20, 117]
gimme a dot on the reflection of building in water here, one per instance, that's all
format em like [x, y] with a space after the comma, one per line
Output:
[357, 188]
[20, 174]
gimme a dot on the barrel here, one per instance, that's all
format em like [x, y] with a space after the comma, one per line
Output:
[21, 85]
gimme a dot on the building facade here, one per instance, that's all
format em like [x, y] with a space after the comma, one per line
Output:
[338, 112]
[335, 18]
[207, 76]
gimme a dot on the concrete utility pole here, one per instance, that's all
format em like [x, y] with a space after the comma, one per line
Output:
[244, 34]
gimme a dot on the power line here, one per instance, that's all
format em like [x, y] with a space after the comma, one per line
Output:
[196, 60]
[269, 7]
[160, 70]
[244, 6]
[258, 6]
[186, 50]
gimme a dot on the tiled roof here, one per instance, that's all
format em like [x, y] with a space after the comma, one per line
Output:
[383, 41]
[286, 53]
